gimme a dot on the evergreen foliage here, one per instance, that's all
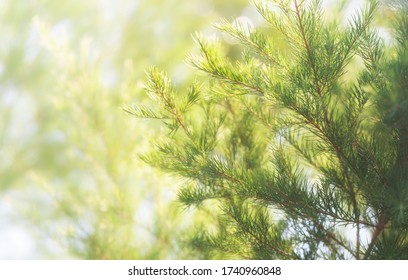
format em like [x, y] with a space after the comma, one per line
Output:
[70, 186]
[298, 152]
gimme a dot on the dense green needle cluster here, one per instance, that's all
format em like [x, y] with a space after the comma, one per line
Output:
[298, 150]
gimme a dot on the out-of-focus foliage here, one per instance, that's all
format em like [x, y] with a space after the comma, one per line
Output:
[68, 150]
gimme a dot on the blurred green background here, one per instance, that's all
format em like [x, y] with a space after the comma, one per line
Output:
[71, 184]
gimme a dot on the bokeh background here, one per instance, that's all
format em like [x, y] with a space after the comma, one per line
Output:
[71, 183]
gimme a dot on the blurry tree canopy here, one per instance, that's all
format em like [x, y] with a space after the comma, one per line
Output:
[69, 174]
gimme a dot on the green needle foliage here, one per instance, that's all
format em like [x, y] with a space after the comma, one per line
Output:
[69, 183]
[295, 152]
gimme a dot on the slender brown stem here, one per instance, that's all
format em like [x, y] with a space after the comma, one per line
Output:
[382, 221]
[308, 48]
